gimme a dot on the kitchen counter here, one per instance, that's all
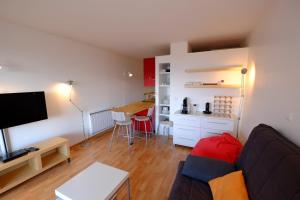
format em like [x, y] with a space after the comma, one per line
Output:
[213, 115]
[132, 108]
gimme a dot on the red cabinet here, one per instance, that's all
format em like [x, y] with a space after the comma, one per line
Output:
[149, 72]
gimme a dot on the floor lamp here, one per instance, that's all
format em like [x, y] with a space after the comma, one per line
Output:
[71, 84]
[242, 98]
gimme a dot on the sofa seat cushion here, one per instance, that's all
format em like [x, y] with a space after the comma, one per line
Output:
[223, 147]
[205, 169]
[186, 188]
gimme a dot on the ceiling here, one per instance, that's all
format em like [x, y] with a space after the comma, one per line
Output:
[139, 28]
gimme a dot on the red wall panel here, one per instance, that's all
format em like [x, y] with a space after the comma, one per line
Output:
[149, 72]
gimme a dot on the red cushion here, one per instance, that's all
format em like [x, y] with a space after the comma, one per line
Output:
[223, 147]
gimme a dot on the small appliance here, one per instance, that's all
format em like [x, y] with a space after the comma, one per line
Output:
[165, 110]
[207, 106]
[185, 107]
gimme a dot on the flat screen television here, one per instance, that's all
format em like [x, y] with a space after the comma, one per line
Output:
[22, 108]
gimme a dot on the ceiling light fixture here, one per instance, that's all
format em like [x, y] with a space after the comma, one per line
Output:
[130, 74]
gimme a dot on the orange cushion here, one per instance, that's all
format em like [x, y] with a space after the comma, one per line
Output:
[228, 187]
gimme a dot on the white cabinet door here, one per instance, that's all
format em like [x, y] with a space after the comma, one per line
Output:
[184, 141]
[217, 124]
[187, 120]
[186, 131]
[210, 132]
[186, 135]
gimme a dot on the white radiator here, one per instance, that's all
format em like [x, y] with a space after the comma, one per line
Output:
[100, 121]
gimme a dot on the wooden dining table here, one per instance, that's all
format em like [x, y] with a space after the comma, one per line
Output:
[133, 108]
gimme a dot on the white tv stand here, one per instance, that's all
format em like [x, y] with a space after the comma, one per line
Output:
[51, 152]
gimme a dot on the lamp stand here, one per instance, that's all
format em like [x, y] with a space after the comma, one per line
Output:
[85, 142]
[242, 98]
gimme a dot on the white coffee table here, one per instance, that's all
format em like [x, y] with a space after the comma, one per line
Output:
[96, 182]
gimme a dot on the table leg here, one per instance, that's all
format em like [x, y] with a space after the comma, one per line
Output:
[128, 188]
[131, 135]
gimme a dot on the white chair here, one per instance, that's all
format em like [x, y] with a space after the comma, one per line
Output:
[166, 125]
[144, 119]
[122, 120]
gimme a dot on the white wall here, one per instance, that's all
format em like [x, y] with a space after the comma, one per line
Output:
[35, 61]
[200, 96]
[273, 96]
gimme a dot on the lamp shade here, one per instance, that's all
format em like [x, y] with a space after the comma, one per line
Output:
[244, 71]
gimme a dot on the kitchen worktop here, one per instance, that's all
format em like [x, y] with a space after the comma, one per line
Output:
[213, 115]
[135, 107]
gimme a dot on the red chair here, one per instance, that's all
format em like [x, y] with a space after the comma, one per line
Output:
[143, 122]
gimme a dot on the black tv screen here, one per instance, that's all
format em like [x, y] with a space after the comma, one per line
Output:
[22, 108]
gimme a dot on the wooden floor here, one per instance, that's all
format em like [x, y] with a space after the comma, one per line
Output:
[152, 168]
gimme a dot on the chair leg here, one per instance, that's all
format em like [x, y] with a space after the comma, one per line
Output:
[151, 127]
[118, 135]
[128, 136]
[146, 132]
[137, 127]
[131, 132]
[112, 137]
[165, 133]
[133, 127]
[161, 139]
[168, 135]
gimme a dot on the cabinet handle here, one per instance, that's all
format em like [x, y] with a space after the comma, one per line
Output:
[186, 139]
[213, 133]
[220, 123]
[189, 129]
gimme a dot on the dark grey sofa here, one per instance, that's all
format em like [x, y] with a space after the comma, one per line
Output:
[271, 167]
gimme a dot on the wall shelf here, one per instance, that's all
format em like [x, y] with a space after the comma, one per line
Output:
[166, 115]
[213, 86]
[167, 86]
[215, 68]
[53, 158]
[16, 176]
[164, 104]
[162, 89]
